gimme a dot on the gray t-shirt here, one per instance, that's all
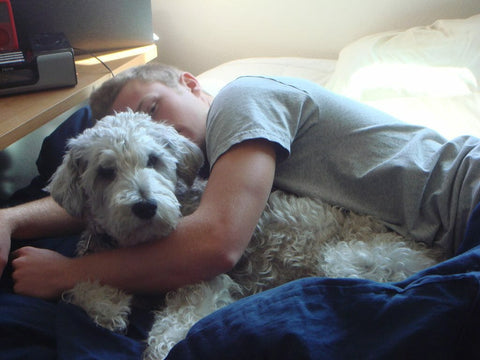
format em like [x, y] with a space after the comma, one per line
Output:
[340, 151]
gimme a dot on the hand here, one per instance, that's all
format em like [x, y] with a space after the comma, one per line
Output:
[39, 272]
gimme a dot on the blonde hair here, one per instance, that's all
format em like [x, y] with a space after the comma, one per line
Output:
[101, 100]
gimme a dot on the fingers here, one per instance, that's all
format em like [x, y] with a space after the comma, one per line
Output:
[19, 253]
[19, 259]
[38, 272]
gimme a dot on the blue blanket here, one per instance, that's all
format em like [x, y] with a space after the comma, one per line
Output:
[31, 328]
[432, 315]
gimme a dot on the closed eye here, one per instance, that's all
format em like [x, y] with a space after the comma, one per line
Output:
[153, 108]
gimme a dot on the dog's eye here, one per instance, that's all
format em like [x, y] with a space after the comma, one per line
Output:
[152, 161]
[106, 173]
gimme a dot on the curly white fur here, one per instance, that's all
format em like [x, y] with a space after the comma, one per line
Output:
[133, 179]
[183, 308]
[107, 306]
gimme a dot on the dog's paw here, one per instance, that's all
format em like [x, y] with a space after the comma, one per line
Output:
[184, 307]
[108, 307]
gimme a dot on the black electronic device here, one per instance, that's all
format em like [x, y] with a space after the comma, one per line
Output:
[89, 25]
[47, 62]
[8, 32]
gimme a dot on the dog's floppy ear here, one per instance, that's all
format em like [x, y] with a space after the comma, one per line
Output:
[189, 155]
[190, 159]
[64, 186]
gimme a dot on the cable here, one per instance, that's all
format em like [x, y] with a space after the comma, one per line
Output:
[97, 58]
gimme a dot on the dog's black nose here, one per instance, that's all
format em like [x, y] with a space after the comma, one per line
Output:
[145, 209]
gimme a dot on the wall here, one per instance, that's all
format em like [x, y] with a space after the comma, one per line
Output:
[196, 35]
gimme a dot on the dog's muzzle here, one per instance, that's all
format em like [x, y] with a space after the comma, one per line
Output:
[145, 209]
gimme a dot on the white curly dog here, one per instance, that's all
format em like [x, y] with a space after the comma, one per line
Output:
[132, 179]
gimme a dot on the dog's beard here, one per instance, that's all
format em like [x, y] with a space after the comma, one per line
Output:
[113, 212]
[147, 231]
[128, 229]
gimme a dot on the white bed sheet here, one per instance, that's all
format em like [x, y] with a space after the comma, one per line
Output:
[426, 75]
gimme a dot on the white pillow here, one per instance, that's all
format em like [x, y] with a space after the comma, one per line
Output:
[317, 70]
[439, 60]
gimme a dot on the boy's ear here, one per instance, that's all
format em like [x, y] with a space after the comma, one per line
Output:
[191, 82]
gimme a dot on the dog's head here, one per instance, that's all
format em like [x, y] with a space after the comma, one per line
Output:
[122, 175]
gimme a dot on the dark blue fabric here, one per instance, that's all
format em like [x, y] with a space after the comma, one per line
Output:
[53, 147]
[27, 328]
[32, 328]
[432, 315]
[35, 329]
[78, 338]
[51, 154]
[472, 233]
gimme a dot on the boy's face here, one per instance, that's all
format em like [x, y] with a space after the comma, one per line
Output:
[185, 107]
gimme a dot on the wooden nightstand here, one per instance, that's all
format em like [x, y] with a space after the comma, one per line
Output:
[21, 114]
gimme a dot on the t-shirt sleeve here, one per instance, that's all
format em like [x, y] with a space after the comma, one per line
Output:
[253, 108]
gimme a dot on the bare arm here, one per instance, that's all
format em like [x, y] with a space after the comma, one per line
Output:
[205, 244]
[40, 218]
[33, 220]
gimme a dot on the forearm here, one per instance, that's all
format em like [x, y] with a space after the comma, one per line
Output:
[40, 218]
[184, 257]
[152, 267]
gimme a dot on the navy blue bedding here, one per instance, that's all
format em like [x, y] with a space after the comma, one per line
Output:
[32, 328]
[432, 315]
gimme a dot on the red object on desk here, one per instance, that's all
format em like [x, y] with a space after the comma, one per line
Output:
[8, 33]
